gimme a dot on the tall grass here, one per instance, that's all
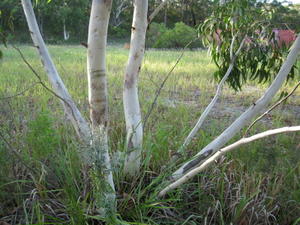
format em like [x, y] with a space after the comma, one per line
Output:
[41, 179]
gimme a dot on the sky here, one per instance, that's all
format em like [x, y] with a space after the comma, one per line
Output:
[295, 1]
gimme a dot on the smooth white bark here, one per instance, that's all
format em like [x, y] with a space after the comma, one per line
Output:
[223, 151]
[246, 117]
[66, 33]
[96, 61]
[214, 100]
[132, 110]
[79, 123]
[98, 96]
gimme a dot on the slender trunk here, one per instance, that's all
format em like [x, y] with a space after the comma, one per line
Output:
[246, 117]
[96, 64]
[66, 33]
[98, 96]
[208, 109]
[132, 110]
[193, 17]
[79, 123]
[166, 17]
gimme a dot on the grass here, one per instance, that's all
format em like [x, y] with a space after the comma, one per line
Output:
[257, 184]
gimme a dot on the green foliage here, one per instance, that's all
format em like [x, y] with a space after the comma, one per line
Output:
[42, 138]
[178, 37]
[75, 14]
[260, 57]
[155, 32]
[118, 32]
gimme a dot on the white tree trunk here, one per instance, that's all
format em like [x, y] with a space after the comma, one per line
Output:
[132, 110]
[96, 63]
[81, 126]
[66, 33]
[246, 117]
[223, 151]
[98, 96]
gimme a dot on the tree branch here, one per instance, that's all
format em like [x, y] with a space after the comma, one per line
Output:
[157, 10]
[214, 100]
[250, 113]
[79, 123]
[40, 79]
[271, 108]
[223, 151]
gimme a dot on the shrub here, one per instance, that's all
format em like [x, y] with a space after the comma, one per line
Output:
[156, 30]
[119, 32]
[178, 37]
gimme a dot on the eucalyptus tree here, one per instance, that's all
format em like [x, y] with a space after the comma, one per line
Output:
[94, 135]
[230, 21]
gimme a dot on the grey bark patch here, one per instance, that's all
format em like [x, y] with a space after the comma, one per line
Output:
[197, 160]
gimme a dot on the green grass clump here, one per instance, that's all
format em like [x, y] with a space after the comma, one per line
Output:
[42, 180]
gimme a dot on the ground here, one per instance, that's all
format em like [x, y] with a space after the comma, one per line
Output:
[257, 184]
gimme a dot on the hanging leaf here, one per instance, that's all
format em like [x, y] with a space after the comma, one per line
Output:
[261, 57]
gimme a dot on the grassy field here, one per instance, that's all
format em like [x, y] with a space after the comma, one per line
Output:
[42, 184]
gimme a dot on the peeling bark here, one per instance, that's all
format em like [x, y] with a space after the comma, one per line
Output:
[130, 93]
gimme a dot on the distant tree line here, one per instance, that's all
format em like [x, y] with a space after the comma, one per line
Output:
[63, 21]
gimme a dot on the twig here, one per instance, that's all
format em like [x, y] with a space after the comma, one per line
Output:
[221, 152]
[41, 81]
[158, 91]
[271, 108]
[20, 93]
[214, 100]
